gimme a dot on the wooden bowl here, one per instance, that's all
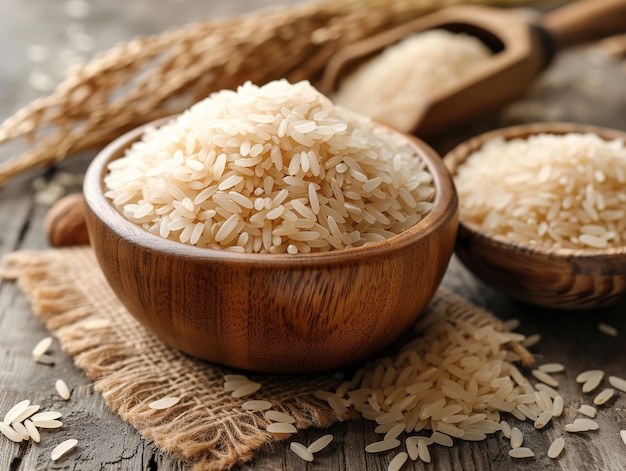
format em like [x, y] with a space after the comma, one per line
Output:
[553, 278]
[267, 312]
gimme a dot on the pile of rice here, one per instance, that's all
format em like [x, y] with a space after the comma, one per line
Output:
[395, 85]
[275, 169]
[555, 191]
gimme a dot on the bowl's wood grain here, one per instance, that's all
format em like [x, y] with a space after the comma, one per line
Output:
[559, 278]
[278, 313]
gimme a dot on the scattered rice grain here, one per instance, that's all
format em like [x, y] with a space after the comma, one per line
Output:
[521, 452]
[556, 448]
[280, 427]
[607, 329]
[618, 383]
[604, 396]
[321, 443]
[164, 403]
[302, 451]
[63, 448]
[62, 389]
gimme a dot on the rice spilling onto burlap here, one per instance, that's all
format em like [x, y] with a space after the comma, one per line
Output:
[277, 169]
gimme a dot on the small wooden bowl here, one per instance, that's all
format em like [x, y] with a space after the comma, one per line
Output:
[553, 278]
[274, 313]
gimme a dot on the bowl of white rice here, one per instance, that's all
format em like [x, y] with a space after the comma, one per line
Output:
[268, 229]
[543, 212]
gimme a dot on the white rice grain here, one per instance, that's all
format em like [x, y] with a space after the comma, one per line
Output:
[521, 452]
[587, 410]
[47, 423]
[604, 396]
[164, 403]
[384, 445]
[321, 443]
[618, 383]
[397, 461]
[63, 448]
[557, 406]
[256, 405]
[302, 451]
[10, 433]
[281, 427]
[279, 416]
[21, 430]
[622, 434]
[15, 411]
[62, 389]
[48, 415]
[607, 329]
[556, 448]
[42, 347]
[551, 368]
[32, 431]
[545, 378]
[246, 389]
[517, 438]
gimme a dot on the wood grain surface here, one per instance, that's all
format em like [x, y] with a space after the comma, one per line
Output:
[582, 86]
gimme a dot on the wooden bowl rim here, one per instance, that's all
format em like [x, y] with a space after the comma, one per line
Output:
[460, 153]
[445, 209]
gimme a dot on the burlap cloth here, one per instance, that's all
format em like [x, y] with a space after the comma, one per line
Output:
[130, 367]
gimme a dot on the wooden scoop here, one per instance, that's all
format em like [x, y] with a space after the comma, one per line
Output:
[522, 49]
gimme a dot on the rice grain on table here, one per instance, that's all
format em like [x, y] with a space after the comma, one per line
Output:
[321, 443]
[32, 431]
[556, 448]
[15, 411]
[607, 329]
[10, 433]
[555, 191]
[521, 452]
[48, 415]
[42, 347]
[394, 86]
[604, 396]
[272, 169]
[587, 410]
[62, 389]
[63, 448]
[26, 413]
[397, 461]
[302, 451]
[618, 383]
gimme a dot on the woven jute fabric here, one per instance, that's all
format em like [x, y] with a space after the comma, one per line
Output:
[130, 367]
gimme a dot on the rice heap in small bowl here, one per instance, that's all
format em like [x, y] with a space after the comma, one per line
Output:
[271, 169]
[547, 190]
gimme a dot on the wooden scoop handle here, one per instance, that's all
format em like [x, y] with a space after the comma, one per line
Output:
[586, 20]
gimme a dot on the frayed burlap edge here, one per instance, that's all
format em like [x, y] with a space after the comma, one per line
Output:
[130, 367]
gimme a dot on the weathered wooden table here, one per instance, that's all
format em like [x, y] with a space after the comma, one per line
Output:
[38, 39]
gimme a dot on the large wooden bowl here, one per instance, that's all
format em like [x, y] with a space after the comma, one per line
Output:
[553, 278]
[266, 312]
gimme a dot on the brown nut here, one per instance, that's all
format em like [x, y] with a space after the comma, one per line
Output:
[65, 222]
